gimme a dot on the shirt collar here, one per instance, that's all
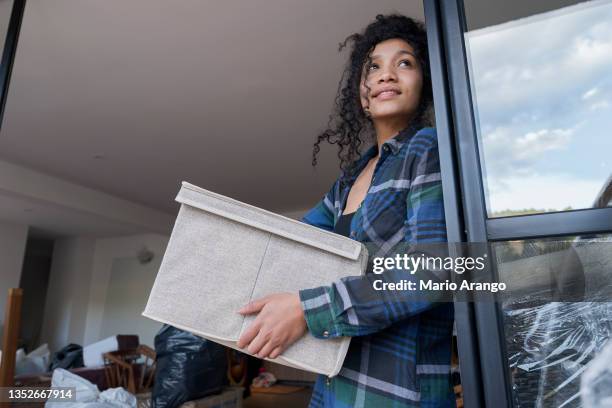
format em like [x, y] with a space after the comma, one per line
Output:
[395, 144]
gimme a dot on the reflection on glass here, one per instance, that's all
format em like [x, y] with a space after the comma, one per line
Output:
[550, 343]
[542, 91]
[6, 6]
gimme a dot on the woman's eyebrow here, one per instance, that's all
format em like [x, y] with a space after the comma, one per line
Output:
[400, 52]
[403, 52]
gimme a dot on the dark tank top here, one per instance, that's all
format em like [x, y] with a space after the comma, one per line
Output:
[343, 226]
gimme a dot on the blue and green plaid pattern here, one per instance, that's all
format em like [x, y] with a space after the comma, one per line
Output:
[401, 348]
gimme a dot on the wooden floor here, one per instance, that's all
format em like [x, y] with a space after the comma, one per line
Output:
[299, 399]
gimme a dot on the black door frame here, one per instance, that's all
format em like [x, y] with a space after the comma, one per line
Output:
[480, 336]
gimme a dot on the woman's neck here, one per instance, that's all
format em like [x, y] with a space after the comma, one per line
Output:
[386, 129]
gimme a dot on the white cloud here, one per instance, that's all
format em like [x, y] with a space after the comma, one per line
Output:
[545, 61]
[533, 144]
[590, 93]
[589, 52]
[603, 104]
[554, 192]
[507, 151]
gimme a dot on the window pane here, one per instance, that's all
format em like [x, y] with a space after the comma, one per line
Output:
[559, 317]
[542, 94]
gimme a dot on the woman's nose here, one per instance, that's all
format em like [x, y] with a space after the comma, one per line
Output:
[387, 75]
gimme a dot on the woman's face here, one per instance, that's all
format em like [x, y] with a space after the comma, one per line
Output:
[391, 82]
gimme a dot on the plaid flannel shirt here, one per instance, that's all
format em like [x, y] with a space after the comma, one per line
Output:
[401, 347]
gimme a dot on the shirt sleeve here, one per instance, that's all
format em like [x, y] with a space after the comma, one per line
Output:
[322, 214]
[352, 306]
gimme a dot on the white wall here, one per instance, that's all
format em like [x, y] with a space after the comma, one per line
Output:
[108, 254]
[12, 248]
[68, 292]
[127, 295]
[78, 293]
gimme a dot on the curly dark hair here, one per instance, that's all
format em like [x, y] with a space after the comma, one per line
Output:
[348, 125]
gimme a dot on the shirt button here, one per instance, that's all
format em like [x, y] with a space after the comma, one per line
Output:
[386, 148]
[325, 333]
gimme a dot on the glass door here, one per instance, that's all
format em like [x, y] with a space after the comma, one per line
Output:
[523, 98]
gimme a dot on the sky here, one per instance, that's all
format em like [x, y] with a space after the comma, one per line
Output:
[542, 89]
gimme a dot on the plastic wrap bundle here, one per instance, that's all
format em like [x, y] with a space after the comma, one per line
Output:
[549, 343]
[549, 348]
[596, 382]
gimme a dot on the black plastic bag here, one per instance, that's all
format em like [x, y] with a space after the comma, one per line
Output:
[188, 367]
[70, 356]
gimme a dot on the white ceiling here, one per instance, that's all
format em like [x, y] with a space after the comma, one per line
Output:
[227, 95]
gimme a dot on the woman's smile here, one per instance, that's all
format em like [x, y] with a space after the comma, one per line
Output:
[386, 92]
[387, 95]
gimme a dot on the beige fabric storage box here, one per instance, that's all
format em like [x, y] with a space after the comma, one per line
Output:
[224, 253]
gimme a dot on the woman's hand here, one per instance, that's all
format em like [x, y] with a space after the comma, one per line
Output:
[279, 324]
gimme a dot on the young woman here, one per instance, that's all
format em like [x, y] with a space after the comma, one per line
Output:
[401, 348]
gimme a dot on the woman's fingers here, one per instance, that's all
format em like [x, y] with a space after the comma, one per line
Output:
[280, 318]
[258, 342]
[267, 349]
[249, 334]
[276, 352]
[253, 306]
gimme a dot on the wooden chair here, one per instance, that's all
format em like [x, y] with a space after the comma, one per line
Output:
[133, 369]
[12, 319]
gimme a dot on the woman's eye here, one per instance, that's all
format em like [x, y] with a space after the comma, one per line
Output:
[405, 63]
[372, 67]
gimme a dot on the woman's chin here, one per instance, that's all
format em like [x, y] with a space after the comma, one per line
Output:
[390, 115]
